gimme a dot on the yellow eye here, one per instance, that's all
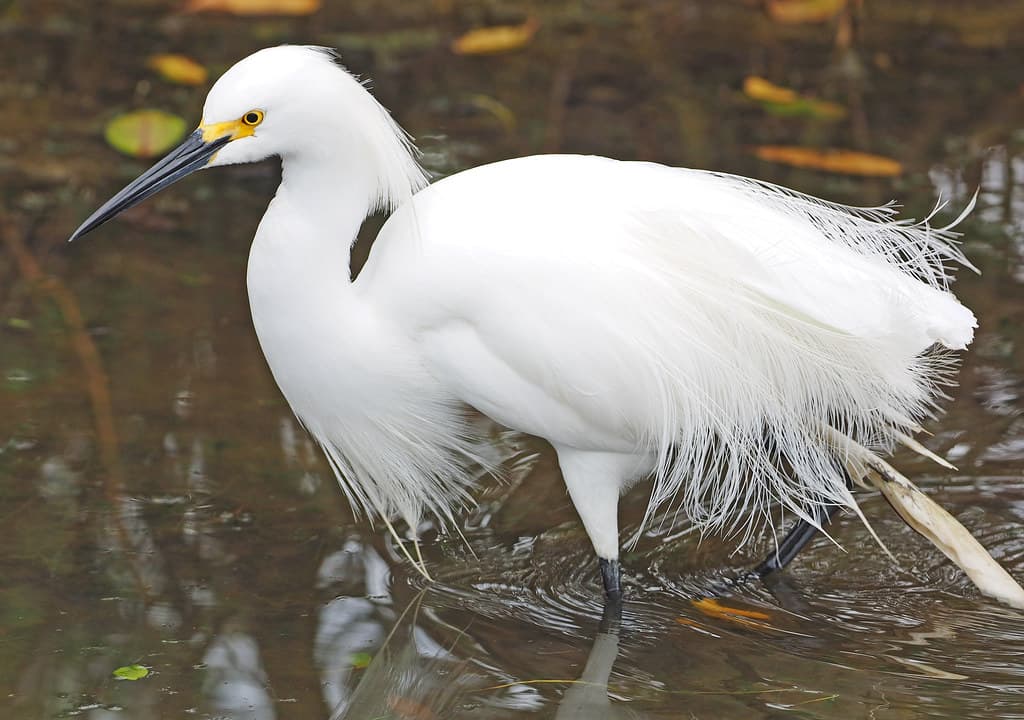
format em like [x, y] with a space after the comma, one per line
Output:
[253, 118]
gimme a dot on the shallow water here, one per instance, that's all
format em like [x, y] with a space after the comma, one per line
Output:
[200, 535]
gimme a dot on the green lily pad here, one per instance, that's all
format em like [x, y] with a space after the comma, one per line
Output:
[361, 660]
[145, 133]
[131, 672]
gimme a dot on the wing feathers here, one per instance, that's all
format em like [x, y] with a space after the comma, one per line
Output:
[711, 321]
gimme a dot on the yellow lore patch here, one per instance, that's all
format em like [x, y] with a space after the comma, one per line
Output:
[231, 129]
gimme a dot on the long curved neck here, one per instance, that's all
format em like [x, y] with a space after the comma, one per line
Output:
[308, 317]
[331, 179]
[327, 192]
[315, 216]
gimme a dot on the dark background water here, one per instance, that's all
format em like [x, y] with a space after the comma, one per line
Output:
[159, 504]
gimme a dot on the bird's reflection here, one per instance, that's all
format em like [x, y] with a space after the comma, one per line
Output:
[354, 625]
[378, 661]
[236, 682]
[588, 699]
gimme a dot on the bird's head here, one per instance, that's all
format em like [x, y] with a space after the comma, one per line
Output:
[288, 101]
[281, 100]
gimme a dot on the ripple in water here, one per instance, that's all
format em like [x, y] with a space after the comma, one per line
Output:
[920, 630]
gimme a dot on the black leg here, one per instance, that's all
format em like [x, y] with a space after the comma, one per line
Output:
[797, 538]
[794, 542]
[611, 618]
[611, 574]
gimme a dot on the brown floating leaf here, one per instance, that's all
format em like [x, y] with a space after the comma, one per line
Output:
[496, 39]
[849, 162]
[179, 69]
[254, 7]
[145, 133]
[783, 101]
[804, 11]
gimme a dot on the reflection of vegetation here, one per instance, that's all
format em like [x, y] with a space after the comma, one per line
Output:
[95, 376]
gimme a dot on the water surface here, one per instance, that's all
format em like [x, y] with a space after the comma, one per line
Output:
[200, 534]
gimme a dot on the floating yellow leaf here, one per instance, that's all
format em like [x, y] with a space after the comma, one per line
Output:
[783, 101]
[497, 39]
[710, 606]
[179, 69]
[254, 7]
[145, 133]
[804, 11]
[849, 162]
[747, 618]
[757, 88]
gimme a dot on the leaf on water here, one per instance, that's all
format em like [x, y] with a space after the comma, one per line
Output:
[145, 133]
[19, 323]
[710, 606]
[849, 162]
[747, 618]
[179, 69]
[496, 39]
[131, 672]
[804, 11]
[757, 88]
[254, 7]
[360, 660]
[784, 101]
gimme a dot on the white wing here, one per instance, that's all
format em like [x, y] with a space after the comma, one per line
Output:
[714, 321]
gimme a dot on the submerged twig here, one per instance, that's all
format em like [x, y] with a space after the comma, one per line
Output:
[927, 518]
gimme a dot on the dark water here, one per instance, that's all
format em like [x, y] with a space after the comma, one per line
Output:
[200, 534]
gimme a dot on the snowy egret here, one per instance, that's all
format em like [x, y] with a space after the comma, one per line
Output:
[742, 345]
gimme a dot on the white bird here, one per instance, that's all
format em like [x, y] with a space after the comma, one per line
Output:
[741, 344]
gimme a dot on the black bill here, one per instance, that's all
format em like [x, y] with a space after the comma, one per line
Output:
[185, 159]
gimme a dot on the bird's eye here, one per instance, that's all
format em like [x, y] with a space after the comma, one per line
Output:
[253, 118]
